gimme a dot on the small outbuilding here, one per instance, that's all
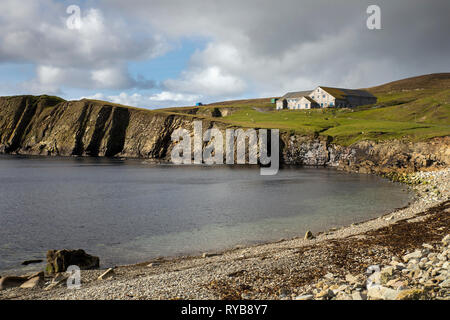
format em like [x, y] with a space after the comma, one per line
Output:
[296, 100]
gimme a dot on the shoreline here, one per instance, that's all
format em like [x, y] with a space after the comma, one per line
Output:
[275, 270]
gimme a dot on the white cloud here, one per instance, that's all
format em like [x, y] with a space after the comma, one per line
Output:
[166, 96]
[207, 81]
[93, 56]
[157, 100]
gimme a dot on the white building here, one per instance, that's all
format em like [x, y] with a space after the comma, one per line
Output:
[296, 100]
[325, 97]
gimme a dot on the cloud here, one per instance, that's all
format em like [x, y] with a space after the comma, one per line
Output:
[268, 47]
[208, 81]
[167, 96]
[94, 56]
[157, 100]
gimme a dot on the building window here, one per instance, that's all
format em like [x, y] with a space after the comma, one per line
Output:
[321, 104]
[323, 96]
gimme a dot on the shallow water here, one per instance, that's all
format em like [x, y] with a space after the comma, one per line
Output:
[125, 211]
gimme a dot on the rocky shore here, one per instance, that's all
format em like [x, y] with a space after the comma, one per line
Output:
[401, 255]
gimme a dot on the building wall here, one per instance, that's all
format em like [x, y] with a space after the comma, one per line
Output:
[300, 103]
[292, 103]
[280, 104]
[323, 98]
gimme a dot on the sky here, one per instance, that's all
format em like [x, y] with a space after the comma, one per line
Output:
[161, 53]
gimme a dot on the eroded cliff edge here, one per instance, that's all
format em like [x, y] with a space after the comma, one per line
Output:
[50, 126]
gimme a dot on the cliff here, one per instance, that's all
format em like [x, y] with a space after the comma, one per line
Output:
[42, 126]
[50, 126]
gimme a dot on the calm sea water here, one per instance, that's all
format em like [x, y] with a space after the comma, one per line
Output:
[125, 211]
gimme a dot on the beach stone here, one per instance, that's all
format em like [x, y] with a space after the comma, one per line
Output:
[327, 293]
[432, 255]
[343, 296]
[412, 294]
[12, 282]
[284, 292]
[386, 274]
[27, 262]
[445, 284]
[351, 279]
[413, 255]
[446, 240]
[305, 297]
[107, 274]
[153, 264]
[334, 287]
[208, 254]
[309, 235]
[34, 282]
[246, 296]
[356, 295]
[381, 293]
[329, 276]
[60, 260]
[400, 266]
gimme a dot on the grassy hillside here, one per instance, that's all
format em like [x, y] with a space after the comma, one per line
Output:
[416, 109]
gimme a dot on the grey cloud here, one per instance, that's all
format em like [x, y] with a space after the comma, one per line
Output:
[282, 45]
[94, 56]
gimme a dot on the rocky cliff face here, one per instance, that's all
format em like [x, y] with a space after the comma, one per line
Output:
[368, 156]
[49, 126]
[33, 126]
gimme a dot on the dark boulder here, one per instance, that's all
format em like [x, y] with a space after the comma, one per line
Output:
[60, 260]
[12, 282]
[27, 262]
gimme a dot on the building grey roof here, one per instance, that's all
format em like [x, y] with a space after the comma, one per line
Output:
[296, 94]
[342, 93]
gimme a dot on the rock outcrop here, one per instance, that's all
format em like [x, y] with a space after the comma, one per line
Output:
[26, 282]
[44, 125]
[368, 156]
[60, 260]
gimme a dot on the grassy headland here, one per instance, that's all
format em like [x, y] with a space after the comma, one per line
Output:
[414, 109]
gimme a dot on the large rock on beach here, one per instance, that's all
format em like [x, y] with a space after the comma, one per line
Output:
[60, 260]
[12, 282]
